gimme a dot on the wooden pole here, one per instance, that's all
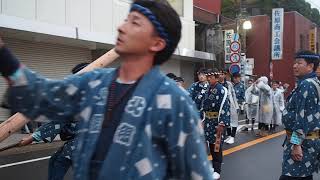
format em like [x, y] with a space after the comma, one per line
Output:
[101, 62]
[11, 125]
[17, 121]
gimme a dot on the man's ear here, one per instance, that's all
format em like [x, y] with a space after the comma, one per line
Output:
[311, 65]
[158, 45]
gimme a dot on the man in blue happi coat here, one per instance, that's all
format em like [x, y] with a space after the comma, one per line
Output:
[135, 123]
[301, 119]
[198, 89]
[239, 90]
[216, 108]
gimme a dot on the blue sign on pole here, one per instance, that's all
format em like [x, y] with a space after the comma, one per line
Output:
[234, 69]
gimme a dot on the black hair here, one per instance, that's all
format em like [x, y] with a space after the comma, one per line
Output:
[171, 76]
[213, 72]
[275, 81]
[170, 21]
[202, 70]
[309, 57]
[78, 67]
[179, 79]
[236, 75]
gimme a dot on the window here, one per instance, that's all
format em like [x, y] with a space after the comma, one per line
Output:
[302, 40]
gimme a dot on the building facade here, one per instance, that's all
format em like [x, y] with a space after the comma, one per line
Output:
[52, 36]
[296, 36]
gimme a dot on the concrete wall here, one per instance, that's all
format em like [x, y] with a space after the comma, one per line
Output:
[96, 16]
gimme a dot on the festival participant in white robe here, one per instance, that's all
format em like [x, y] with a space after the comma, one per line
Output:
[278, 105]
[265, 105]
[252, 105]
[234, 111]
[135, 123]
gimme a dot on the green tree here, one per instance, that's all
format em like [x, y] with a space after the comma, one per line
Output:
[230, 8]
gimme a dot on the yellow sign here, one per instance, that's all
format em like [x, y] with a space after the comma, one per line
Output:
[313, 40]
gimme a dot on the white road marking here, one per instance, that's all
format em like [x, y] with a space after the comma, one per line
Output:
[24, 162]
[239, 128]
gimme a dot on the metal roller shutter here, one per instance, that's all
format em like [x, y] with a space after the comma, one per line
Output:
[50, 60]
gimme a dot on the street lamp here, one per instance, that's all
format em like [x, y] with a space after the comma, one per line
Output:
[247, 25]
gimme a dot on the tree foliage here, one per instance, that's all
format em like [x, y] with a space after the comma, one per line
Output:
[230, 8]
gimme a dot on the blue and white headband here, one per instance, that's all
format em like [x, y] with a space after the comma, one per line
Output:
[308, 56]
[158, 26]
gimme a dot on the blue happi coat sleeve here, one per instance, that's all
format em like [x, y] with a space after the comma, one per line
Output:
[191, 91]
[47, 132]
[224, 113]
[307, 118]
[240, 93]
[42, 99]
[187, 144]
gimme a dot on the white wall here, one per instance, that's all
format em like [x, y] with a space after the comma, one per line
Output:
[93, 16]
[171, 66]
[20, 8]
[51, 11]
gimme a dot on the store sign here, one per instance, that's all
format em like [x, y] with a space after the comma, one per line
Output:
[228, 39]
[277, 34]
[313, 40]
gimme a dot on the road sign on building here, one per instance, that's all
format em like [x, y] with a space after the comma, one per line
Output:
[235, 58]
[234, 68]
[235, 46]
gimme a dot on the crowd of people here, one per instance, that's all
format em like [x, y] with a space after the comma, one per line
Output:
[222, 99]
[133, 122]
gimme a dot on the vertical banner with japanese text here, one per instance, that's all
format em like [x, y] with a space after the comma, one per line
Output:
[277, 34]
[228, 38]
[313, 40]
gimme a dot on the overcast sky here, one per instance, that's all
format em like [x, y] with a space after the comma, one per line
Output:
[314, 3]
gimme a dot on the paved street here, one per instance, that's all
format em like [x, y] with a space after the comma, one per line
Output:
[261, 161]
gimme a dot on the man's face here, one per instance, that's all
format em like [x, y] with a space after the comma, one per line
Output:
[222, 76]
[202, 77]
[212, 80]
[301, 68]
[135, 35]
[249, 83]
[275, 86]
[236, 79]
